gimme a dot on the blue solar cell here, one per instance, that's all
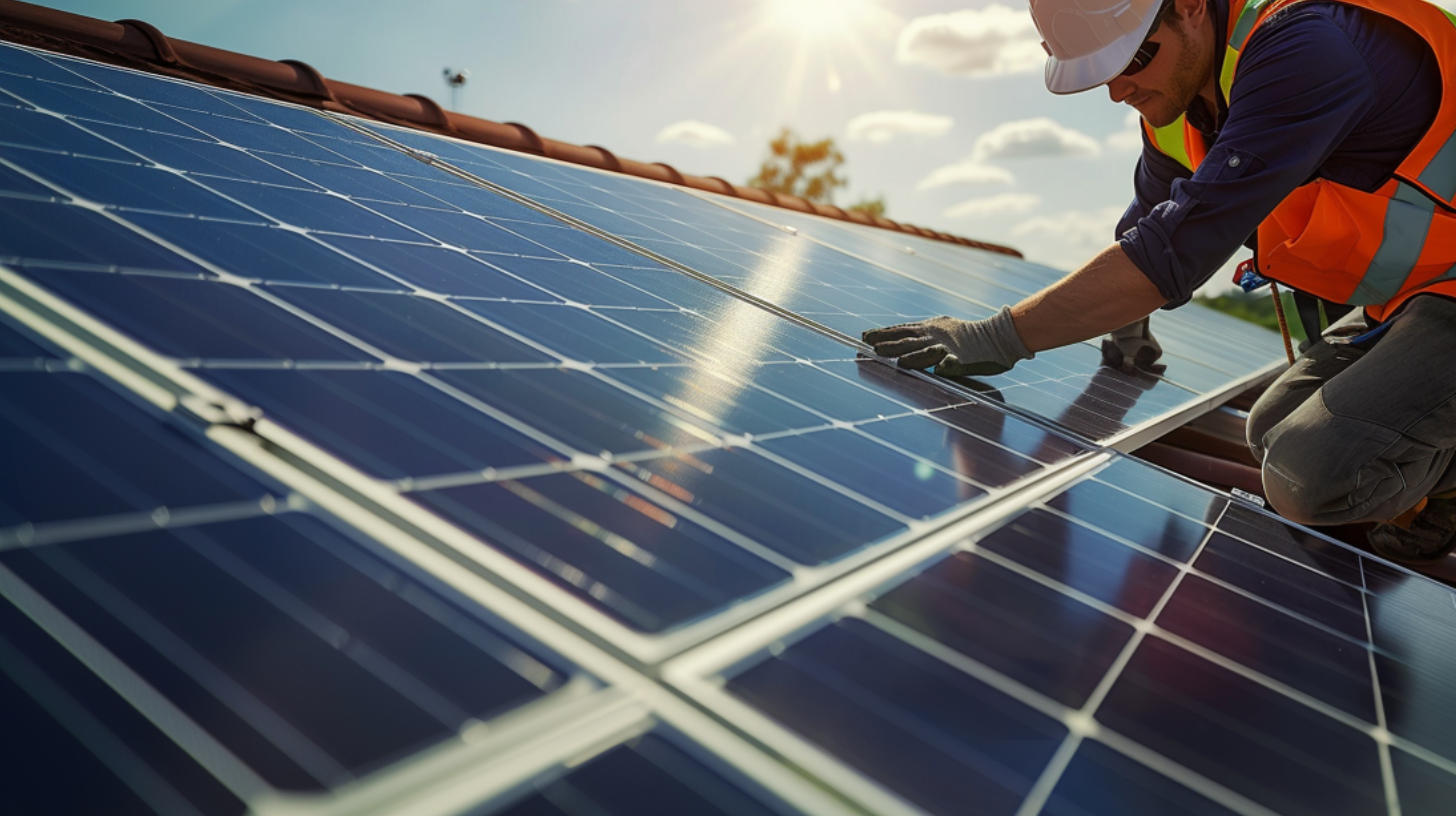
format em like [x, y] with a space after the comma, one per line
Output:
[462, 230]
[88, 452]
[26, 63]
[579, 245]
[13, 182]
[931, 734]
[357, 149]
[789, 513]
[92, 105]
[315, 211]
[196, 319]
[257, 136]
[389, 424]
[280, 637]
[579, 409]
[262, 252]
[16, 344]
[821, 391]
[126, 185]
[1300, 589]
[700, 391]
[971, 457]
[902, 483]
[577, 282]
[445, 271]
[577, 334]
[615, 550]
[648, 777]
[196, 155]
[1278, 752]
[289, 116]
[75, 726]
[1416, 697]
[701, 337]
[1102, 782]
[1136, 520]
[410, 327]
[355, 182]
[1325, 666]
[1277, 536]
[1424, 788]
[1084, 560]
[470, 197]
[146, 87]
[1034, 634]
[43, 232]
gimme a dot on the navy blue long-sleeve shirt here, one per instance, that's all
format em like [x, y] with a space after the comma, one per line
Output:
[1323, 90]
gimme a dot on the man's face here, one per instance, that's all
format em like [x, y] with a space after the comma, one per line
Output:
[1168, 84]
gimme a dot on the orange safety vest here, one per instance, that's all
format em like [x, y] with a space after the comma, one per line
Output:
[1369, 249]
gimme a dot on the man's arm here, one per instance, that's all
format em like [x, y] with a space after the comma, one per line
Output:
[1106, 293]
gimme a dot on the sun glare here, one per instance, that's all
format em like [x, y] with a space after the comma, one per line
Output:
[818, 19]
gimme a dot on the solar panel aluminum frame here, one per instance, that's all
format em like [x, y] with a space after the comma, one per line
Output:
[489, 761]
[326, 480]
[1128, 440]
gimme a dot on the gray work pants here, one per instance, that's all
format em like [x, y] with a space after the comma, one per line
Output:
[1352, 434]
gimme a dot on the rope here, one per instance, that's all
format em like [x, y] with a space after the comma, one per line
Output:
[1283, 324]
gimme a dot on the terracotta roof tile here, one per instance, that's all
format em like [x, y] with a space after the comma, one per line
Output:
[139, 45]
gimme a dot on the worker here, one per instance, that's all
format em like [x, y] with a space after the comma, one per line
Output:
[1322, 133]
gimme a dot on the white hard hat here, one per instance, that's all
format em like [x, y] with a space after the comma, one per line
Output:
[1089, 42]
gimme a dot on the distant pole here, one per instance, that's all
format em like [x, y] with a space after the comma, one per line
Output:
[456, 80]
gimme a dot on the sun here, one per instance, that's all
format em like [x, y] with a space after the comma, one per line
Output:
[818, 19]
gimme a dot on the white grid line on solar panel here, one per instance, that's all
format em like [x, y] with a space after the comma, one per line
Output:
[1079, 720]
[1094, 431]
[1210, 350]
[181, 729]
[1387, 768]
[1232, 665]
[279, 731]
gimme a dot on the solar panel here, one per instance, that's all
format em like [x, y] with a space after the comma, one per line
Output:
[1238, 659]
[479, 483]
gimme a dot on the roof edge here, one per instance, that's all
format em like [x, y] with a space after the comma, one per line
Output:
[136, 44]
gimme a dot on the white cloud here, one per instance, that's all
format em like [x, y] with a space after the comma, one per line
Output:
[993, 40]
[1066, 240]
[693, 133]
[1130, 138]
[1004, 204]
[970, 173]
[1033, 138]
[882, 126]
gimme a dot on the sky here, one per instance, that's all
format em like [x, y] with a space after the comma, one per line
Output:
[938, 105]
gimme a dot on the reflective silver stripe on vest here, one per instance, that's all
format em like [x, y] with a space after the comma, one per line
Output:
[1440, 175]
[1407, 220]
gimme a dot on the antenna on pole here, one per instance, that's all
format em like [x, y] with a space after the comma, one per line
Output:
[456, 81]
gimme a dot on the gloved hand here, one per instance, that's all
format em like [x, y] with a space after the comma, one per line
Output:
[1133, 347]
[956, 348]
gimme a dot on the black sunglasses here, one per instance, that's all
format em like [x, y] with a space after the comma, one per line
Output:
[1148, 49]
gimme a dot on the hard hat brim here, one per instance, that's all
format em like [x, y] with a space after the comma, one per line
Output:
[1069, 76]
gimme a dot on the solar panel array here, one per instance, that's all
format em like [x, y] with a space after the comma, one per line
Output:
[358, 469]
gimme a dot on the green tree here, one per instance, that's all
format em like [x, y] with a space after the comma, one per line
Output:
[793, 166]
[874, 207]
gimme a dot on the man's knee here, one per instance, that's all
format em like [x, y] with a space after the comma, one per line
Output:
[1320, 468]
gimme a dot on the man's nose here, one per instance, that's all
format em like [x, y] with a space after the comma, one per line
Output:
[1120, 88]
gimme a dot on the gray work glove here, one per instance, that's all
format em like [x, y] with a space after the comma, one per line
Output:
[1133, 347]
[956, 348]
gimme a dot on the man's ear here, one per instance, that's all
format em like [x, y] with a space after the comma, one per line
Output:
[1194, 12]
